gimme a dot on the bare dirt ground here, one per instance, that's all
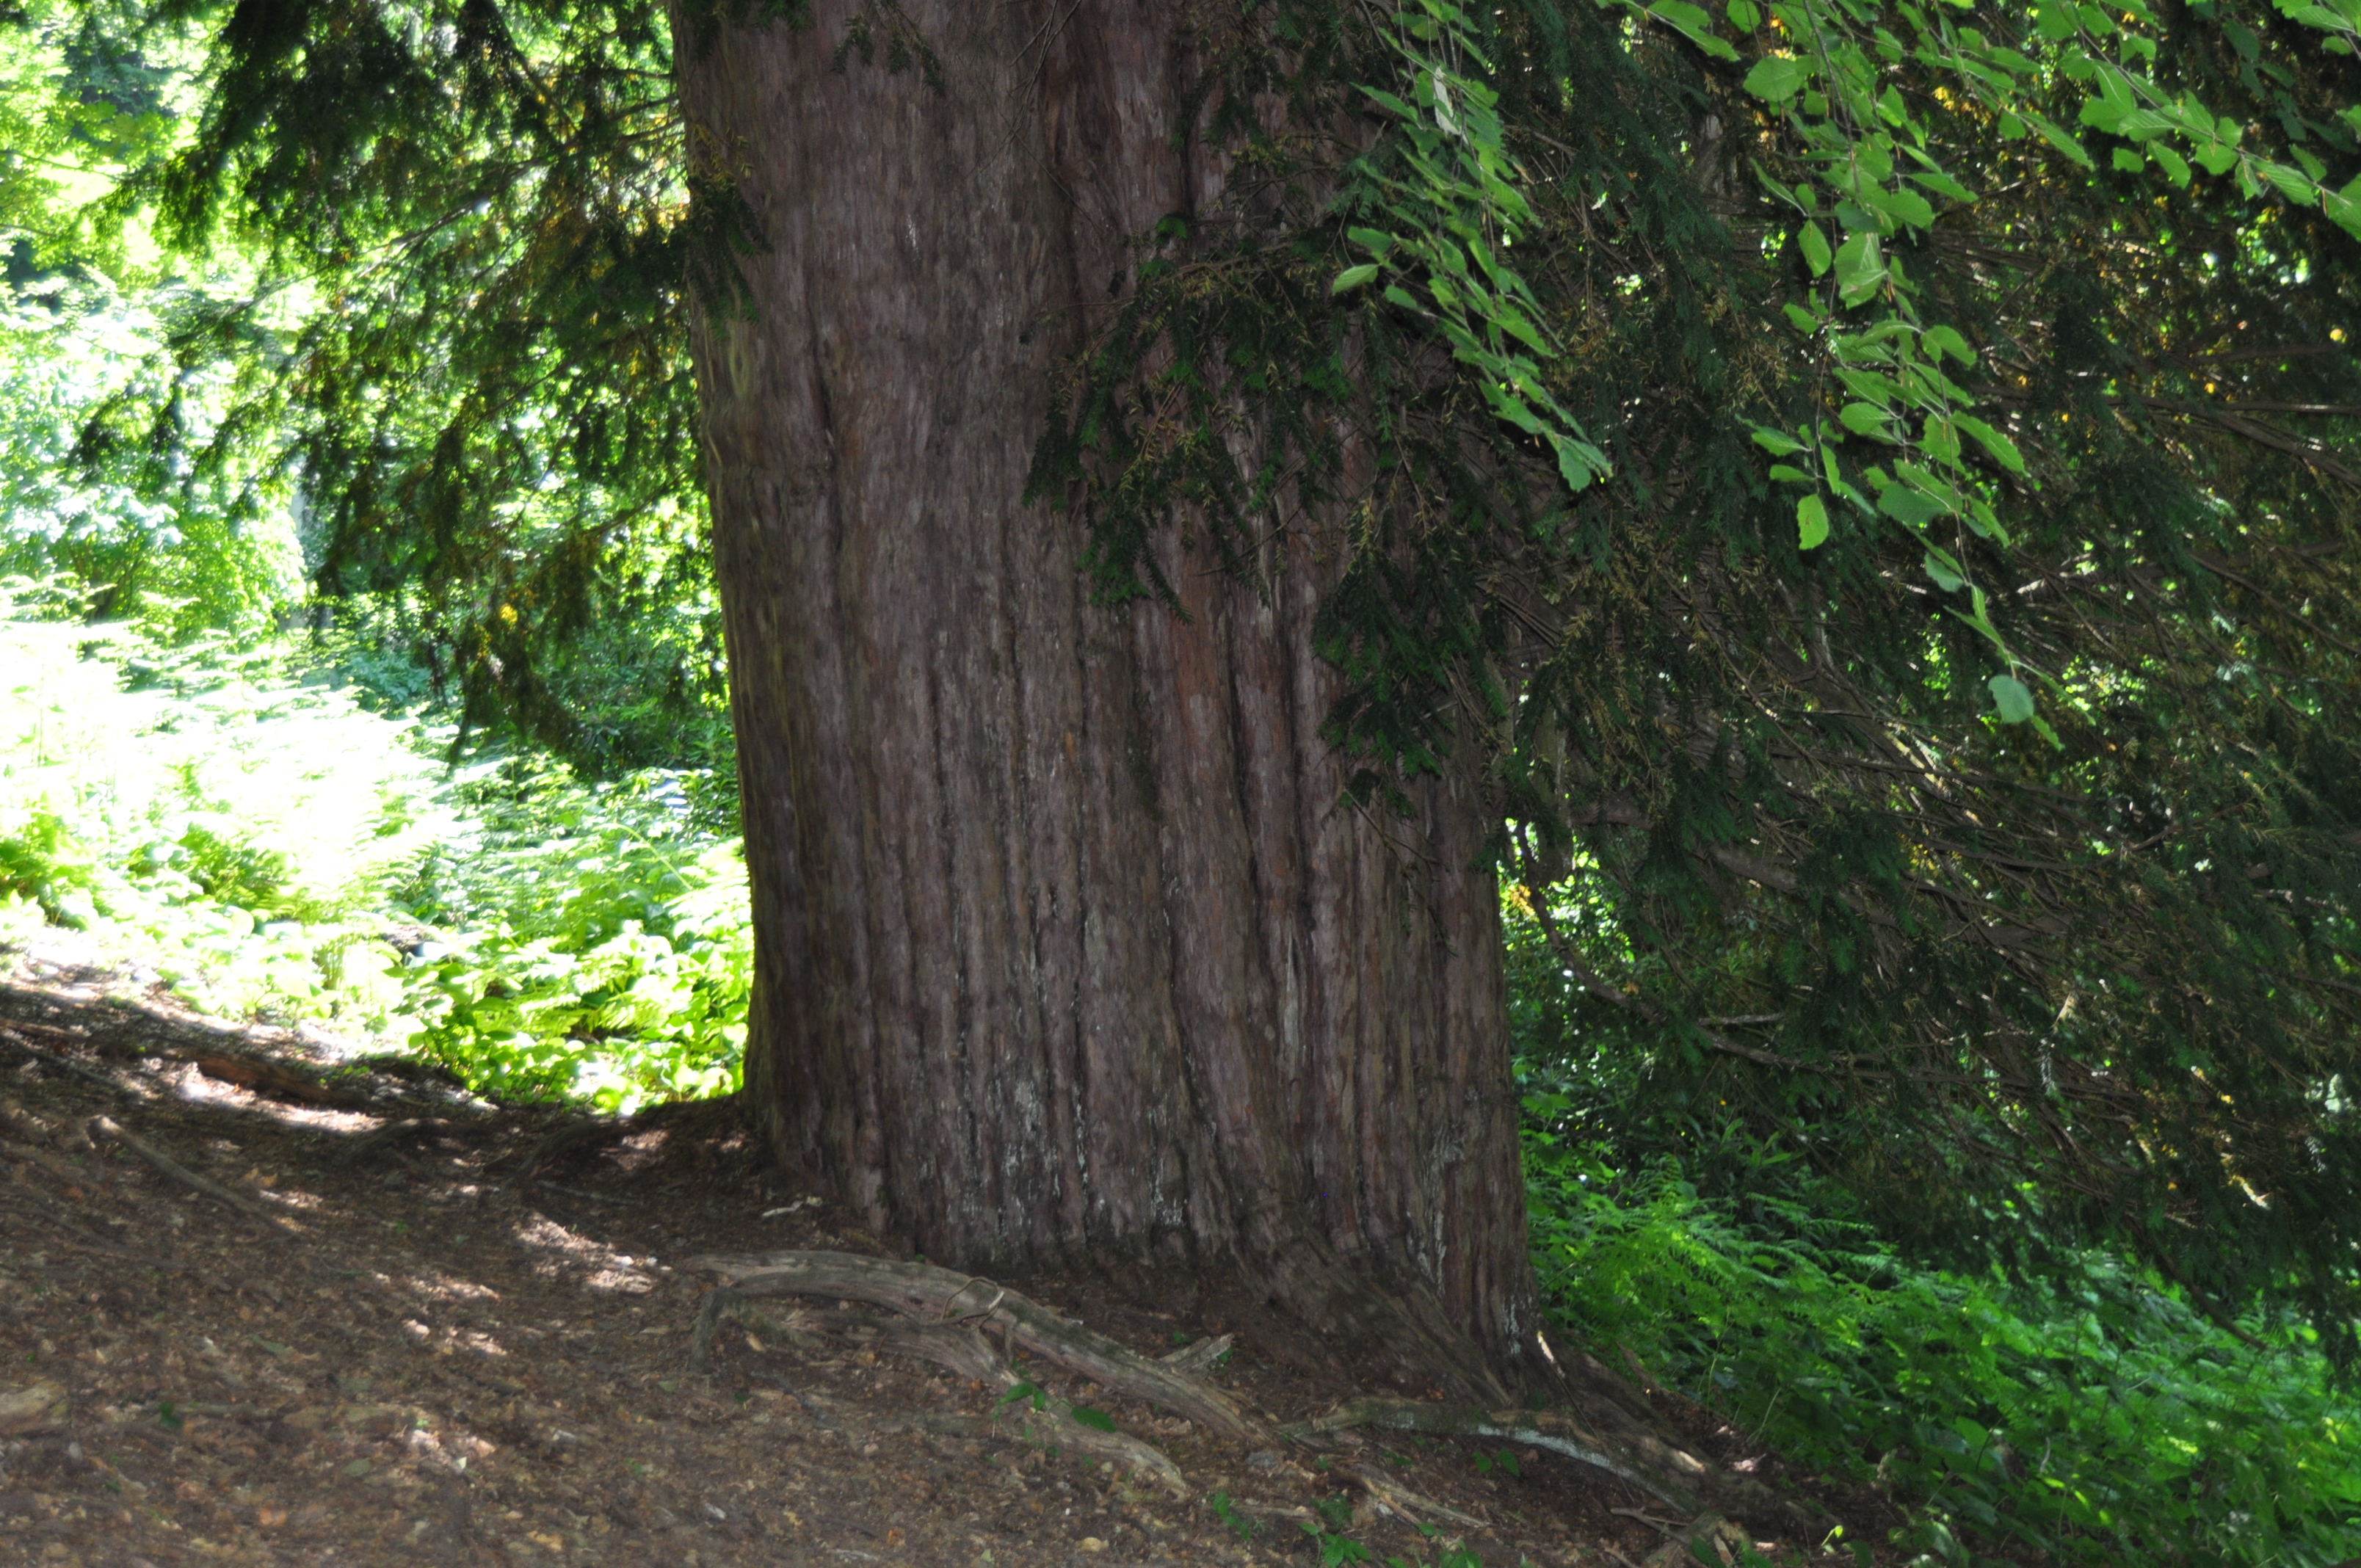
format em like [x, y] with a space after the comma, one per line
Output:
[261, 1303]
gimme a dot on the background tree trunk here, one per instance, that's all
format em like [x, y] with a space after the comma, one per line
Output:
[1067, 940]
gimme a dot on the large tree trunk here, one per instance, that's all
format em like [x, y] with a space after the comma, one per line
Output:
[1067, 942]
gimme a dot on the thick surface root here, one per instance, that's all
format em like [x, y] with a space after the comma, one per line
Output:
[104, 1129]
[1680, 1479]
[952, 1319]
[1026, 1413]
[1412, 1506]
[928, 1294]
[1055, 1428]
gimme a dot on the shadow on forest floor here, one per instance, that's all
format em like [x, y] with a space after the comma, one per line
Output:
[370, 1319]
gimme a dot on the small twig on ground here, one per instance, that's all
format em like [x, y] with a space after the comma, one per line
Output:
[1272, 1510]
[1658, 1525]
[105, 1127]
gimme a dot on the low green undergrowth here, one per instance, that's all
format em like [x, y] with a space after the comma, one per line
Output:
[248, 824]
[2087, 1414]
[2021, 1390]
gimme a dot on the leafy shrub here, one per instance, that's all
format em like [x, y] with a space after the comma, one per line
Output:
[2068, 1407]
[40, 861]
[272, 847]
[2090, 1417]
[596, 943]
[113, 475]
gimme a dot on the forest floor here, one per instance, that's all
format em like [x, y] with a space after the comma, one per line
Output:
[266, 1299]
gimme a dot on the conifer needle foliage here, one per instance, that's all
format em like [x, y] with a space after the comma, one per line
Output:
[482, 211]
[1870, 485]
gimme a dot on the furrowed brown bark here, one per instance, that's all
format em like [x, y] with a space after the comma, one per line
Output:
[1068, 944]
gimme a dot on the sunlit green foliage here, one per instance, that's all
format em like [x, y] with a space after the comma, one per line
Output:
[155, 536]
[593, 942]
[240, 827]
[83, 106]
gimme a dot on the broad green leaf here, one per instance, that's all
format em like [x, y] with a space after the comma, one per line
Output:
[1910, 507]
[1376, 242]
[1811, 522]
[1942, 185]
[1947, 340]
[1694, 23]
[1816, 254]
[1778, 443]
[1777, 78]
[1861, 268]
[1902, 206]
[1352, 277]
[2293, 183]
[1865, 419]
[2004, 451]
[2012, 697]
[1945, 571]
[1574, 464]
[2057, 138]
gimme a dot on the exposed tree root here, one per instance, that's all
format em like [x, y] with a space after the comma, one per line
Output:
[275, 1080]
[938, 1295]
[1054, 1428]
[1033, 1416]
[9, 1036]
[1409, 1504]
[945, 1315]
[1672, 1475]
[105, 1128]
[955, 1347]
[1192, 1359]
